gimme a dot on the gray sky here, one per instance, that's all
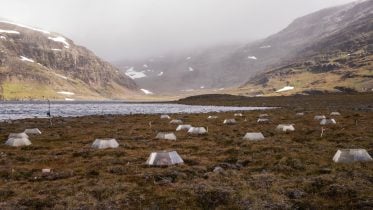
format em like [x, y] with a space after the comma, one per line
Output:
[116, 29]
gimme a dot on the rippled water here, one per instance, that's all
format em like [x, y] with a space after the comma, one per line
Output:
[21, 110]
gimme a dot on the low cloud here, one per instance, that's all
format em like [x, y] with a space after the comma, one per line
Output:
[126, 29]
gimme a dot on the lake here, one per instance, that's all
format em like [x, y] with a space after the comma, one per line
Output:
[21, 110]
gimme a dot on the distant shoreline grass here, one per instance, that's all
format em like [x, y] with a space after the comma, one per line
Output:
[351, 100]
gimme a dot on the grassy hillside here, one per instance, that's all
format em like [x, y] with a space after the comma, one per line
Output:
[351, 72]
[338, 61]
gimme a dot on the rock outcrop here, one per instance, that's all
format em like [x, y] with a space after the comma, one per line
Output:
[36, 64]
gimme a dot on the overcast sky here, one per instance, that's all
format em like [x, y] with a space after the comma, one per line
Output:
[116, 29]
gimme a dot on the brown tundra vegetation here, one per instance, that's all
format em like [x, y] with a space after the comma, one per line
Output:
[292, 170]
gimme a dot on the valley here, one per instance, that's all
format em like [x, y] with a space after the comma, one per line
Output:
[186, 105]
[326, 51]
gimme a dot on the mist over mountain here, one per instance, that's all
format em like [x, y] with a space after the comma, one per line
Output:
[128, 29]
[232, 65]
[335, 53]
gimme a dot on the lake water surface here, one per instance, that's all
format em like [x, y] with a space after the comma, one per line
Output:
[21, 110]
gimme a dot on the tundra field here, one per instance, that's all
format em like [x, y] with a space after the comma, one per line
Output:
[292, 170]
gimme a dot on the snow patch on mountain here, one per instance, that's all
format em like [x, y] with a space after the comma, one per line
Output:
[61, 40]
[160, 74]
[135, 74]
[187, 90]
[55, 49]
[252, 57]
[188, 58]
[23, 58]
[145, 65]
[61, 76]
[24, 26]
[69, 99]
[66, 93]
[265, 46]
[286, 88]
[9, 31]
[3, 37]
[190, 69]
[147, 92]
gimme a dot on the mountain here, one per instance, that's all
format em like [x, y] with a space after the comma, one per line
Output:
[314, 41]
[36, 64]
[183, 72]
[336, 56]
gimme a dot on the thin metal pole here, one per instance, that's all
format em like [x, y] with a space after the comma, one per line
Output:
[49, 113]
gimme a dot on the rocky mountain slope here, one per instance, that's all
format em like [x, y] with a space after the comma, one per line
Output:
[319, 35]
[36, 64]
[340, 60]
